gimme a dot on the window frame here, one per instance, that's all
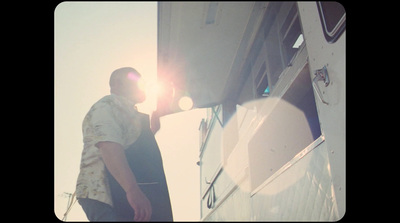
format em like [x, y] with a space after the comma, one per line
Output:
[333, 35]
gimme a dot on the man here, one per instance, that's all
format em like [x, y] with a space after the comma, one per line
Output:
[121, 174]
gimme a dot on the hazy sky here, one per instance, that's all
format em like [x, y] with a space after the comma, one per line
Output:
[91, 41]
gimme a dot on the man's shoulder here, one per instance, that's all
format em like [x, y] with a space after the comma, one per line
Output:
[107, 100]
[103, 103]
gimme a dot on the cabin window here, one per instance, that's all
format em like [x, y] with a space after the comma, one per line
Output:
[333, 19]
[291, 35]
[275, 46]
[283, 41]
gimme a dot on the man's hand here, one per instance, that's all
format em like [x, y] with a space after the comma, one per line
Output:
[115, 160]
[140, 204]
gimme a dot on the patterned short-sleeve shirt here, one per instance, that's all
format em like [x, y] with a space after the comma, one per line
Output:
[113, 118]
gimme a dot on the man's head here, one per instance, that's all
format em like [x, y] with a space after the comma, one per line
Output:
[124, 82]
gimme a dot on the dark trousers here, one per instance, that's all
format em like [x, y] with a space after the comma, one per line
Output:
[97, 211]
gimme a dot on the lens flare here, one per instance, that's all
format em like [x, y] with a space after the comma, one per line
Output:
[133, 76]
[185, 103]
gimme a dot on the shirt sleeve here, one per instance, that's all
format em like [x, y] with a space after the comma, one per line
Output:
[105, 125]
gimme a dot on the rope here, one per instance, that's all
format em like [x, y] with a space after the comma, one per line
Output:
[69, 207]
[211, 197]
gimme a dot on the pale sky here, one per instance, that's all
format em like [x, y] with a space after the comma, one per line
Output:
[91, 41]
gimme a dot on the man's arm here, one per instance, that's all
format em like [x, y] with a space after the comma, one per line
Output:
[115, 160]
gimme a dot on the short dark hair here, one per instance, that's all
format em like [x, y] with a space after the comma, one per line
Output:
[121, 74]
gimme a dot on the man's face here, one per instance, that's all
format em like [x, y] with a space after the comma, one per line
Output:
[133, 88]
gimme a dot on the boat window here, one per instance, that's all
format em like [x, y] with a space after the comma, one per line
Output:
[276, 44]
[291, 35]
[333, 19]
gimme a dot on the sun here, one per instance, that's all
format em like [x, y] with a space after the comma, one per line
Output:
[152, 90]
